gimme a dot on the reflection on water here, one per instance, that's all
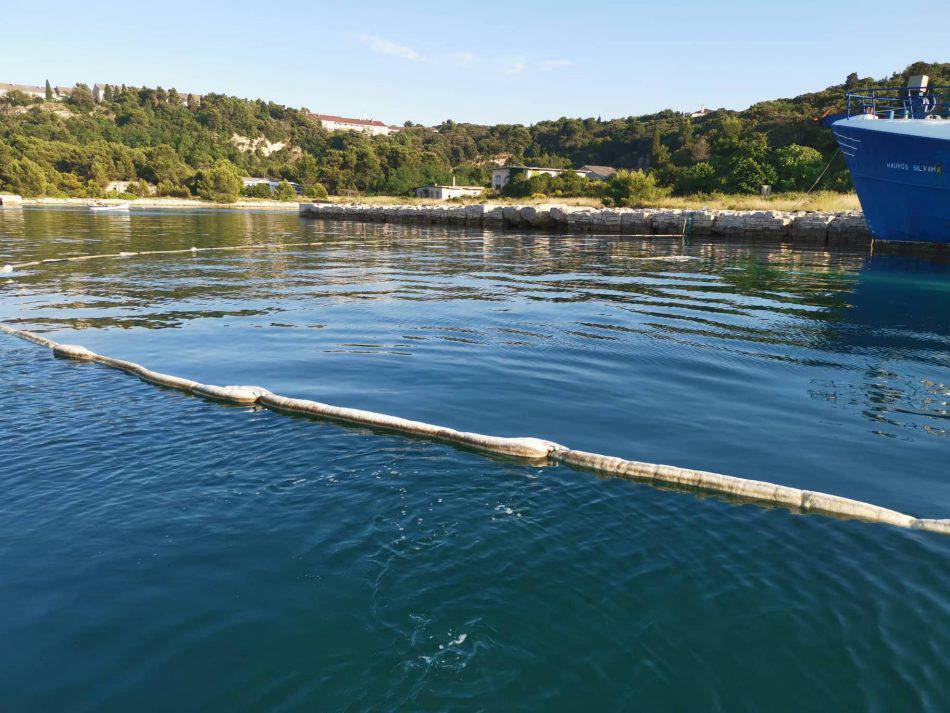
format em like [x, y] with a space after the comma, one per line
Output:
[653, 349]
[161, 549]
[392, 291]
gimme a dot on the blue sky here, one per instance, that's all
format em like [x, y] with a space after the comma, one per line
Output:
[487, 61]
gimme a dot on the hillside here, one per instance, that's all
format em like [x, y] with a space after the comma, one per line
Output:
[184, 147]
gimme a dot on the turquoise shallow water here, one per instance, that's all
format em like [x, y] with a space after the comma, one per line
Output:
[160, 551]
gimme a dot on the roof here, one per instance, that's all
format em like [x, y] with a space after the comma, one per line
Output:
[599, 170]
[469, 188]
[530, 168]
[4, 86]
[345, 120]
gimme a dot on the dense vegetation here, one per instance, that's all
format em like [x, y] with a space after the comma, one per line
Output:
[178, 146]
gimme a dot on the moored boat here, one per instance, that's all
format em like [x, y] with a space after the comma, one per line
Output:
[896, 142]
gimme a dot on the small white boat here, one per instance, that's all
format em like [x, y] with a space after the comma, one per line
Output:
[110, 207]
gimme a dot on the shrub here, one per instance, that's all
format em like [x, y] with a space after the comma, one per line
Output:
[140, 188]
[220, 183]
[15, 97]
[797, 166]
[258, 190]
[697, 178]
[521, 187]
[175, 190]
[27, 178]
[633, 189]
[165, 166]
[81, 98]
[746, 175]
[285, 191]
[317, 191]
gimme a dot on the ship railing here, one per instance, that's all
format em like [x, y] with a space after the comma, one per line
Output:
[901, 103]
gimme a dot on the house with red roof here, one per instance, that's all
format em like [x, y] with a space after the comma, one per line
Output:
[342, 123]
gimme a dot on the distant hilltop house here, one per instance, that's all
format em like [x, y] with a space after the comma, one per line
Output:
[501, 175]
[342, 123]
[59, 93]
[701, 112]
[443, 193]
[99, 94]
[62, 93]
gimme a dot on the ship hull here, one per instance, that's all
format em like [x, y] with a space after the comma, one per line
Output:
[900, 174]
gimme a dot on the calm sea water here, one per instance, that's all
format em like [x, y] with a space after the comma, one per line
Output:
[161, 552]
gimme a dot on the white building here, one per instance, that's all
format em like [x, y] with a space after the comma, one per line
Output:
[444, 193]
[29, 90]
[59, 93]
[341, 123]
[502, 175]
[701, 112]
[247, 181]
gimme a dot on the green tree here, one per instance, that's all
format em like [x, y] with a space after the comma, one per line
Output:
[285, 191]
[27, 178]
[317, 191]
[81, 98]
[175, 190]
[165, 166]
[686, 133]
[698, 178]
[659, 154]
[220, 183]
[258, 190]
[633, 189]
[6, 156]
[125, 136]
[519, 186]
[140, 188]
[305, 170]
[49, 91]
[746, 175]
[98, 173]
[797, 167]
[15, 97]
[655, 144]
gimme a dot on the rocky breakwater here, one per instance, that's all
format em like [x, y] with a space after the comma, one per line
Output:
[798, 226]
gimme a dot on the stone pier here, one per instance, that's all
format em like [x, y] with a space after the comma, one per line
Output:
[796, 226]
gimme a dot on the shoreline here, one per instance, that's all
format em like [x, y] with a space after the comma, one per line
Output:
[804, 227]
[281, 206]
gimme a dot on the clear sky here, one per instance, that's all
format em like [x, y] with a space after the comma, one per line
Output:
[486, 61]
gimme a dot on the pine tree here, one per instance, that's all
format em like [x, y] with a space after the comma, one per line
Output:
[687, 132]
[49, 91]
[655, 145]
